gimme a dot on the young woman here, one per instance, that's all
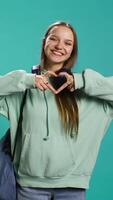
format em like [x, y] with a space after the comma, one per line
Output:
[61, 129]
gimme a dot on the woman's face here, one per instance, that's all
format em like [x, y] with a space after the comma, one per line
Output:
[59, 45]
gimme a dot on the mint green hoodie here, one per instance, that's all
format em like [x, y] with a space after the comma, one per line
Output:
[48, 157]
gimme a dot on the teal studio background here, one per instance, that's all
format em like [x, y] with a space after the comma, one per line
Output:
[22, 25]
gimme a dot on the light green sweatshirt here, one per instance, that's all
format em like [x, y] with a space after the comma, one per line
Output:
[48, 158]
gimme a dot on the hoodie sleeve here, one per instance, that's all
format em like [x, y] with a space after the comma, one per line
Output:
[95, 84]
[15, 81]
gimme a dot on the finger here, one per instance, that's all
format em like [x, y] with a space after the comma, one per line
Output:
[43, 84]
[72, 89]
[65, 74]
[62, 87]
[51, 88]
[69, 86]
[39, 87]
[45, 87]
[44, 79]
[38, 79]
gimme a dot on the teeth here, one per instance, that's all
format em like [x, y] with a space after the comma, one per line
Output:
[57, 53]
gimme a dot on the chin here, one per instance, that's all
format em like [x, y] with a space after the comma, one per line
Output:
[57, 60]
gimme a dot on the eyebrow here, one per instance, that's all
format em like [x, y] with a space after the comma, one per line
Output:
[65, 39]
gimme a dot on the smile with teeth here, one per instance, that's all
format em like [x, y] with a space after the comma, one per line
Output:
[57, 53]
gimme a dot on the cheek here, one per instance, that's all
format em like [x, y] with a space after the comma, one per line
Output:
[69, 51]
[46, 48]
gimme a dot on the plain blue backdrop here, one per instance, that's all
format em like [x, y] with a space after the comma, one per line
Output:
[22, 25]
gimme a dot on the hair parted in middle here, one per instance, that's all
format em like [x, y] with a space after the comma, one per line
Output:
[73, 58]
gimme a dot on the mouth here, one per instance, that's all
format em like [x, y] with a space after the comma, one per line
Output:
[57, 53]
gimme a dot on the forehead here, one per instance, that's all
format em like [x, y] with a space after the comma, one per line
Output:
[62, 31]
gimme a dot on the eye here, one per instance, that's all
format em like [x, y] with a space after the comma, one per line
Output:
[68, 44]
[52, 38]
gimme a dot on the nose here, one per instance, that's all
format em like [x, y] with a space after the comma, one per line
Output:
[59, 45]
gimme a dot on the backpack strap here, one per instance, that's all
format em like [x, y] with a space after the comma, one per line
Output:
[19, 127]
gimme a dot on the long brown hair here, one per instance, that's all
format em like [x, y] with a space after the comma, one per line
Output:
[66, 100]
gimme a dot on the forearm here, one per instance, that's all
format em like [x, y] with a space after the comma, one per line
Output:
[94, 84]
[16, 81]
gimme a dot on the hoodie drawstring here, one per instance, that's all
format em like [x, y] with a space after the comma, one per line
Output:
[47, 121]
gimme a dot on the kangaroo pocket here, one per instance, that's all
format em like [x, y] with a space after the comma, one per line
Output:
[51, 158]
[58, 158]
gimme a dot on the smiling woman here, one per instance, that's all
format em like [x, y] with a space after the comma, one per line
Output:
[61, 130]
[58, 47]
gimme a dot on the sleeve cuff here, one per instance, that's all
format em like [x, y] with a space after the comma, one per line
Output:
[79, 81]
[30, 80]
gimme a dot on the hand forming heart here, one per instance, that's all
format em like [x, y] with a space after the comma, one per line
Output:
[55, 82]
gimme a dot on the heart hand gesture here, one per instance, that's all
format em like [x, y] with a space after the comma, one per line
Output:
[55, 82]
